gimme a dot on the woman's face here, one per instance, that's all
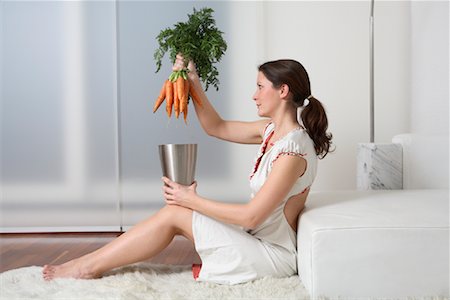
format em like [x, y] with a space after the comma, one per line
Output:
[266, 96]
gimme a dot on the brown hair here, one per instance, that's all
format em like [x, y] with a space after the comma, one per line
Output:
[294, 75]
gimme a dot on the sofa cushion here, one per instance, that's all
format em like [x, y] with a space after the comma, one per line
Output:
[375, 243]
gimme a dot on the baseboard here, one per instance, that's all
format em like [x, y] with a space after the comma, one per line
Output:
[60, 229]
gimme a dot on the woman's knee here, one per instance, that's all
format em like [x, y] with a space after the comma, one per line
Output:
[180, 218]
[174, 210]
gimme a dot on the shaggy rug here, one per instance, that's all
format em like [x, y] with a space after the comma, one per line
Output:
[142, 281]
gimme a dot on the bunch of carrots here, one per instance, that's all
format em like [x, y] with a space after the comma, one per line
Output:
[176, 91]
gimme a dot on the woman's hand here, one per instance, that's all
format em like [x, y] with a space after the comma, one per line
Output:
[177, 194]
[180, 64]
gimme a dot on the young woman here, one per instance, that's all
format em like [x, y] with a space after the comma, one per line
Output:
[236, 242]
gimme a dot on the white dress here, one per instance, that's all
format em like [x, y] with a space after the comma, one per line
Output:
[231, 254]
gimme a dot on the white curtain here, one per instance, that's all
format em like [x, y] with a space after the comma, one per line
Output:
[78, 137]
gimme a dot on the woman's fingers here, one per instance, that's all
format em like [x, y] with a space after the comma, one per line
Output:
[175, 193]
[193, 186]
[168, 194]
[177, 66]
[167, 190]
[179, 63]
[169, 182]
[169, 197]
[191, 66]
[173, 184]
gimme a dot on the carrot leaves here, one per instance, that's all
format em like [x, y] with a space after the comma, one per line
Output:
[199, 40]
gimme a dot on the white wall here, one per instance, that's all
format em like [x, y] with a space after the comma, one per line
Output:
[331, 39]
[430, 67]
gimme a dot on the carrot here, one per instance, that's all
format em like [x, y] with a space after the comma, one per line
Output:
[161, 97]
[185, 99]
[175, 91]
[169, 97]
[180, 89]
[176, 100]
[195, 96]
[186, 90]
[185, 112]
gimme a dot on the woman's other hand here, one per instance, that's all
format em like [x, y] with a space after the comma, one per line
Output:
[177, 194]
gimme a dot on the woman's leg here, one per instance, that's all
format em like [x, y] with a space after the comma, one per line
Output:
[143, 241]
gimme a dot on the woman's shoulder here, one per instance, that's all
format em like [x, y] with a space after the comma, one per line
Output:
[298, 142]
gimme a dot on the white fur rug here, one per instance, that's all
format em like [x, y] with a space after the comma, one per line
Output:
[142, 281]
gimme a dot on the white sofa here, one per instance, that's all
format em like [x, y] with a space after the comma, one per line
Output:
[390, 244]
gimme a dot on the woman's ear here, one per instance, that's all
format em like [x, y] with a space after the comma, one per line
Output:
[284, 91]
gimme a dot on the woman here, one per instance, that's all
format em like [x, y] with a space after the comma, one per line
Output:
[236, 242]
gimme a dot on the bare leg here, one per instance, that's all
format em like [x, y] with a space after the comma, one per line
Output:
[143, 241]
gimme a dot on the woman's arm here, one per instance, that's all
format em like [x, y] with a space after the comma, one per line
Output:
[210, 120]
[284, 174]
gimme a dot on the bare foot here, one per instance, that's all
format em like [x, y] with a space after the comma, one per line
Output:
[70, 269]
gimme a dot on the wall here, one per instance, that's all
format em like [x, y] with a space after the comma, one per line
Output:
[430, 91]
[430, 67]
[331, 39]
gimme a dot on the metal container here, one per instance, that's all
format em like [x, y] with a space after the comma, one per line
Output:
[178, 162]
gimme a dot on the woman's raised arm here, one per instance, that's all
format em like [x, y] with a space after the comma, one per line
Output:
[210, 120]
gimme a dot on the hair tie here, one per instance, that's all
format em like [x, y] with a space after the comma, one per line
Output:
[306, 101]
[300, 109]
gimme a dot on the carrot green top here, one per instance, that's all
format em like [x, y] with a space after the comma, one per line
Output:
[199, 40]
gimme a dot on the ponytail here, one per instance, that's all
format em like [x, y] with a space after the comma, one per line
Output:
[314, 117]
[315, 121]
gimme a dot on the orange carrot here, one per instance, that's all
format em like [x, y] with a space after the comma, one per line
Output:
[195, 95]
[180, 89]
[176, 100]
[186, 90]
[185, 112]
[185, 99]
[169, 97]
[161, 97]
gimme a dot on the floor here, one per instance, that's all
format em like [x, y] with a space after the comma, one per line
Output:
[37, 249]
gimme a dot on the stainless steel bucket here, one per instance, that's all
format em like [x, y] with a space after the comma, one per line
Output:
[178, 162]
